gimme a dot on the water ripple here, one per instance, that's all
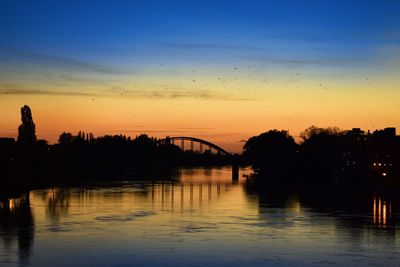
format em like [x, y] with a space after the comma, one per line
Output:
[125, 217]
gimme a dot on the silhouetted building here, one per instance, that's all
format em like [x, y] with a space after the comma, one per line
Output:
[378, 152]
[387, 132]
[355, 131]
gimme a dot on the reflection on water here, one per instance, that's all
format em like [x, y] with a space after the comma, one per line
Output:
[16, 228]
[382, 212]
[57, 202]
[185, 197]
[200, 217]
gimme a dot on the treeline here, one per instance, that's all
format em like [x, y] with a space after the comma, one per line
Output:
[323, 157]
[29, 161]
[124, 152]
[85, 151]
[83, 156]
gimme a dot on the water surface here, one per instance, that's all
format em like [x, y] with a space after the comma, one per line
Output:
[200, 217]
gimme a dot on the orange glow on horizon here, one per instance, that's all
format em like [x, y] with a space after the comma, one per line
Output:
[226, 122]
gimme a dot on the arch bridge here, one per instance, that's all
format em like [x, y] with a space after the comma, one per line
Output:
[180, 141]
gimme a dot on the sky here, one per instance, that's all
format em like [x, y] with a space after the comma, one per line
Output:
[222, 71]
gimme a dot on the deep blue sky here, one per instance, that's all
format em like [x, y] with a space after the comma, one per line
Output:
[86, 25]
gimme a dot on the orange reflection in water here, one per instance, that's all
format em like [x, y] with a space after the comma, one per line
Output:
[382, 212]
[13, 204]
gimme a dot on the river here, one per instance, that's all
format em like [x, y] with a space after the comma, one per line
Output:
[199, 218]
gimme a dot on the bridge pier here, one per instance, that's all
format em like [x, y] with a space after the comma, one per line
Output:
[235, 173]
[235, 168]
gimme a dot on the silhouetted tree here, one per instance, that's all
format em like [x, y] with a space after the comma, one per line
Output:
[26, 131]
[272, 152]
[320, 152]
[316, 132]
[65, 139]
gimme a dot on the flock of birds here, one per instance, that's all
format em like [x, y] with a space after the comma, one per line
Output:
[236, 80]
[237, 83]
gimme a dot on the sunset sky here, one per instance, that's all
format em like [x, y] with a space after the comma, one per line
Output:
[218, 70]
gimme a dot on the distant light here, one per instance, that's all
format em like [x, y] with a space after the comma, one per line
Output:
[374, 164]
[384, 174]
[11, 205]
[379, 164]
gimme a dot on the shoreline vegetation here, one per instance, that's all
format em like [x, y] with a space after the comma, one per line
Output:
[326, 158]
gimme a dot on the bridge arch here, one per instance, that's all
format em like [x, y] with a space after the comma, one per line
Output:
[192, 140]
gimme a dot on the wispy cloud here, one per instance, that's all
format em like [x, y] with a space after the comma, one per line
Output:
[177, 94]
[19, 56]
[306, 56]
[212, 46]
[309, 37]
[167, 93]
[80, 80]
[320, 61]
[14, 89]
[44, 92]
[9, 89]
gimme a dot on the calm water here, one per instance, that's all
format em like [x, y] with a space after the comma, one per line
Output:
[200, 219]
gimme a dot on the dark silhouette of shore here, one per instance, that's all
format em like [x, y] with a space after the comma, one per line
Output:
[326, 157]
[28, 162]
